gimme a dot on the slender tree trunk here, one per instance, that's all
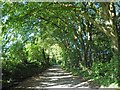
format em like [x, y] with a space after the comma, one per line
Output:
[44, 54]
[116, 39]
[90, 46]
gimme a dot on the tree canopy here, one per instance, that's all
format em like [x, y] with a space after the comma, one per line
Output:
[84, 37]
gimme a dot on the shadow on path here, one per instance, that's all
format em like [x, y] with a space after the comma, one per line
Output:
[54, 77]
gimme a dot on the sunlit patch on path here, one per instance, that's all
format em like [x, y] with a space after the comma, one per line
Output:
[54, 77]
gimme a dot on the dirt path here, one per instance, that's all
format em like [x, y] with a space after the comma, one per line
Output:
[54, 77]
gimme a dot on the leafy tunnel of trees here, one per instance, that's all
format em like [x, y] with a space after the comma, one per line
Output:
[83, 37]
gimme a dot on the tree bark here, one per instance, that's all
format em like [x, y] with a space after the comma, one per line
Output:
[116, 39]
[90, 46]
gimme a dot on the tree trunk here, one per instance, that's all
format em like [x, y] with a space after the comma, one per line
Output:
[90, 46]
[116, 40]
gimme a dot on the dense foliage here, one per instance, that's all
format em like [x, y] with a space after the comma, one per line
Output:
[83, 37]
